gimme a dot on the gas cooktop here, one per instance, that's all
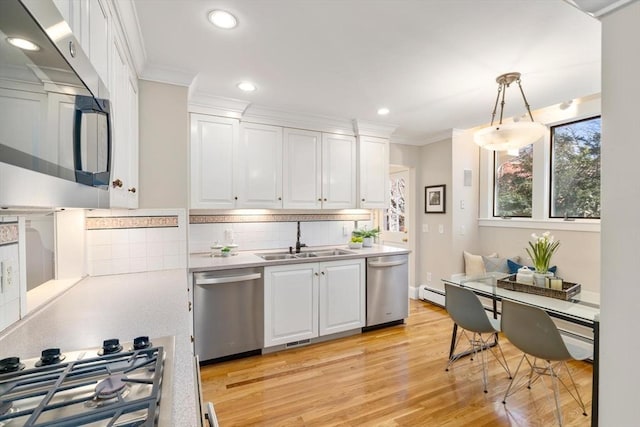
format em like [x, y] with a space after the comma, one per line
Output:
[114, 385]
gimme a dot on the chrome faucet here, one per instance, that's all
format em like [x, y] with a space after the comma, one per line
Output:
[298, 244]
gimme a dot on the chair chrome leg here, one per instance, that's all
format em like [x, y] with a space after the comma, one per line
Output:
[513, 379]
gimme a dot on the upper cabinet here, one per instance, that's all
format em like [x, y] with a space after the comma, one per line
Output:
[259, 166]
[338, 171]
[213, 155]
[319, 170]
[124, 104]
[248, 165]
[235, 165]
[373, 166]
[302, 176]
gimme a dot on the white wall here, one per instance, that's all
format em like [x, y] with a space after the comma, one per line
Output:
[620, 305]
[164, 146]
[436, 249]
[578, 257]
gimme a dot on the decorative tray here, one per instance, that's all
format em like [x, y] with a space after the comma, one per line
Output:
[569, 290]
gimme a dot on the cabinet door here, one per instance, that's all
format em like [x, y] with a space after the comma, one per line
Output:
[338, 171]
[120, 160]
[302, 176]
[290, 303]
[212, 161]
[132, 188]
[342, 296]
[260, 166]
[374, 173]
[99, 38]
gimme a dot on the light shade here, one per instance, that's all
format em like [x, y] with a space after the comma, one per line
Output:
[509, 136]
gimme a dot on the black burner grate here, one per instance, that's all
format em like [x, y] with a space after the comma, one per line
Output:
[57, 395]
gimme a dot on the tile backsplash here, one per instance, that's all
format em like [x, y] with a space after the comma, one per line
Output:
[270, 235]
[136, 241]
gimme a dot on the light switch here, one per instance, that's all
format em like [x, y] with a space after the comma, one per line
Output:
[462, 204]
[440, 228]
[425, 228]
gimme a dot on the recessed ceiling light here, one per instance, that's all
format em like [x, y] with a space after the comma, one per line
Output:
[383, 111]
[223, 19]
[246, 86]
[23, 44]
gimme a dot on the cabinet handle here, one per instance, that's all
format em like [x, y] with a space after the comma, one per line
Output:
[323, 273]
[132, 190]
[320, 199]
[316, 274]
[235, 198]
[363, 200]
[325, 199]
[117, 183]
[190, 305]
[279, 198]
[72, 49]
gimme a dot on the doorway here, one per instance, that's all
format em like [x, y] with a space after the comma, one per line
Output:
[397, 222]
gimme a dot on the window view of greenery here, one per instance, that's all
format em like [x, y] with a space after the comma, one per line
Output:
[575, 169]
[513, 183]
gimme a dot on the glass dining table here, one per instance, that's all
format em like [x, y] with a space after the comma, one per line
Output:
[583, 309]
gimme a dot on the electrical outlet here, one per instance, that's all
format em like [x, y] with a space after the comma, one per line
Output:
[425, 228]
[429, 276]
[462, 204]
[6, 272]
[440, 228]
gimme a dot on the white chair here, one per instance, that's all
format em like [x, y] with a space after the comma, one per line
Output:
[467, 312]
[532, 331]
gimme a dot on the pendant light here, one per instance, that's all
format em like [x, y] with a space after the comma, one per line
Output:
[509, 136]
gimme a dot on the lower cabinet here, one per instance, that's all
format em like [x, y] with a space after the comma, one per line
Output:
[304, 301]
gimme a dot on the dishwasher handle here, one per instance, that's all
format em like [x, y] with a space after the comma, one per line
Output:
[227, 279]
[386, 264]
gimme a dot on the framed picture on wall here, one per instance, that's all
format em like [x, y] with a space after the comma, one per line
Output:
[434, 199]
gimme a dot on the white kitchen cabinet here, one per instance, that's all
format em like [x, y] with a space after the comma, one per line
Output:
[304, 301]
[338, 171]
[213, 159]
[373, 166]
[290, 303]
[302, 176]
[342, 296]
[259, 166]
[124, 109]
[319, 170]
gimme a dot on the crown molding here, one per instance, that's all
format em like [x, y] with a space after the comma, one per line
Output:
[368, 128]
[127, 16]
[272, 116]
[160, 74]
[204, 103]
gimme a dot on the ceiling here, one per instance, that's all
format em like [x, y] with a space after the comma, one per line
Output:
[433, 63]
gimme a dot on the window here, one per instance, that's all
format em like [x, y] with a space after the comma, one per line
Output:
[513, 183]
[395, 216]
[575, 169]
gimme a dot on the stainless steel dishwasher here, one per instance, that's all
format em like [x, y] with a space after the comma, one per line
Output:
[387, 289]
[228, 312]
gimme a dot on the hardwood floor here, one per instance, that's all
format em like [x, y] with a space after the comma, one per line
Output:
[389, 377]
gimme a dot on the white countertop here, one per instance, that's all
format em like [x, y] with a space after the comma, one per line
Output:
[119, 306]
[205, 262]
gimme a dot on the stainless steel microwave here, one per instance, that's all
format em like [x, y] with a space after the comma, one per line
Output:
[55, 118]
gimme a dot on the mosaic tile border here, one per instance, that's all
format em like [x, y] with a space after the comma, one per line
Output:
[120, 222]
[217, 219]
[9, 233]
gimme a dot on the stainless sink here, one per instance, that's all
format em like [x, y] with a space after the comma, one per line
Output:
[277, 256]
[274, 257]
[332, 252]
